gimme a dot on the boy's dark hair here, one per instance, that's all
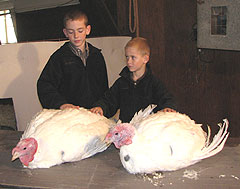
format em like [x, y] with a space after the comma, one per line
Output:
[75, 14]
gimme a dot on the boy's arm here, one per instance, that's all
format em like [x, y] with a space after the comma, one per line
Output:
[97, 110]
[109, 103]
[163, 98]
[103, 73]
[66, 106]
[48, 83]
[168, 110]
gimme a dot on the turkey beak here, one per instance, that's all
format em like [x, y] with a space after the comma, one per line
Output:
[15, 156]
[108, 138]
[108, 141]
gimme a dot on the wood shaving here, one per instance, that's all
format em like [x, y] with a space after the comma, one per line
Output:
[221, 176]
[235, 177]
[191, 174]
[153, 178]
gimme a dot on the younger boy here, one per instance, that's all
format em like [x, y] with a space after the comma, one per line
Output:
[136, 88]
[75, 75]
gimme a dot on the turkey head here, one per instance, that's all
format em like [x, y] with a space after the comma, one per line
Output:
[121, 134]
[25, 150]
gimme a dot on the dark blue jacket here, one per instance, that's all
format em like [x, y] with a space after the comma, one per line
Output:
[65, 79]
[130, 97]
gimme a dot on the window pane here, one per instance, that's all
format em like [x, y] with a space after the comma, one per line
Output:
[219, 20]
[7, 34]
[10, 30]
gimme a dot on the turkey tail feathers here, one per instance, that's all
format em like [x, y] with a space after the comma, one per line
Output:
[208, 136]
[217, 143]
[139, 116]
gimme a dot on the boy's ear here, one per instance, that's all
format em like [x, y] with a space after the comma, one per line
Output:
[146, 58]
[88, 29]
[65, 32]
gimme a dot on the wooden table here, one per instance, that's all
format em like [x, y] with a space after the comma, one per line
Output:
[104, 170]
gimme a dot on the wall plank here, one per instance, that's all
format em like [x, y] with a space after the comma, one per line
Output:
[206, 83]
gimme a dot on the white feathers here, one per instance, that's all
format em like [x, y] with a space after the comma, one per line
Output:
[66, 136]
[217, 143]
[139, 116]
[168, 141]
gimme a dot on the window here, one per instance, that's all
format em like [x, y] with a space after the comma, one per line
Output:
[218, 24]
[7, 34]
[219, 20]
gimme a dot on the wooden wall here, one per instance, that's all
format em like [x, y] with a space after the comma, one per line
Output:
[206, 84]
[47, 24]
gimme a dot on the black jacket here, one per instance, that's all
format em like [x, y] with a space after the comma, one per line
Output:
[65, 79]
[131, 97]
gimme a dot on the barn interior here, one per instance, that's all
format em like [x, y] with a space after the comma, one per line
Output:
[202, 73]
[204, 81]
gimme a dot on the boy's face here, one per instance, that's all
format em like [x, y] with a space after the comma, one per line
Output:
[76, 31]
[136, 62]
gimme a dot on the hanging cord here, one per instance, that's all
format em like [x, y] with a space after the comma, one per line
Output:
[135, 27]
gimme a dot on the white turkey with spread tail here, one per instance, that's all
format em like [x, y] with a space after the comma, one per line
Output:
[57, 136]
[164, 141]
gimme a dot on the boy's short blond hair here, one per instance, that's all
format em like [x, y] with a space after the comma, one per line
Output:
[75, 15]
[140, 44]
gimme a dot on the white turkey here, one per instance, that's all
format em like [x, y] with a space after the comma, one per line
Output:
[164, 141]
[57, 136]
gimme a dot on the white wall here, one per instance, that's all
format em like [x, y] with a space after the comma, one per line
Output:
[22, 63]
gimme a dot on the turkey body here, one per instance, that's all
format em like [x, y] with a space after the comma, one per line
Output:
[65, 136]
[165, 141]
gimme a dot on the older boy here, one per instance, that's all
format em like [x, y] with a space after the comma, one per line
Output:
[75, 75]
[136, 88]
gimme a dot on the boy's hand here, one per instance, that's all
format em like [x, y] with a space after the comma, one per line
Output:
[167, 110]
[97, 110]
[66, 106]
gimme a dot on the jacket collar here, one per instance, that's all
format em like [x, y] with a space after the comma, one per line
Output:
[91, 48]
[78, 51]
[128, 75]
